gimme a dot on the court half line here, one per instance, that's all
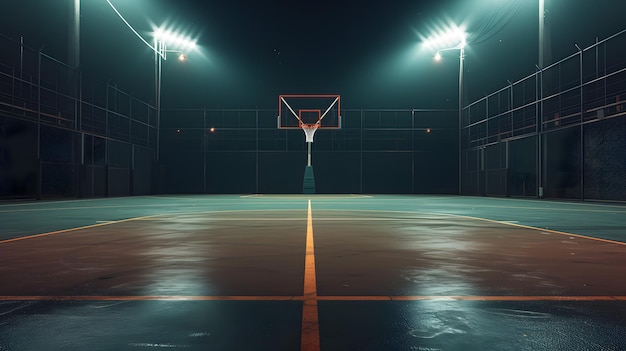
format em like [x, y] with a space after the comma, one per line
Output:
[310, 339]
[316, 299]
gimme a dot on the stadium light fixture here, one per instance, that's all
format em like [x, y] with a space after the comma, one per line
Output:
[163, 39]
[168, 41]
[454, 38]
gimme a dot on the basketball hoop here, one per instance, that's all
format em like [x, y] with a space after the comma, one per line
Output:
[309, 131]
[310, 112]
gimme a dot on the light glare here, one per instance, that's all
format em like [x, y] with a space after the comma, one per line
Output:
[453, 37]
[177, 41]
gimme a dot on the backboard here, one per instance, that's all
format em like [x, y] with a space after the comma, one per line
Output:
[298, 110]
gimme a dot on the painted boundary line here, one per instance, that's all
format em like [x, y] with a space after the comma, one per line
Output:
[103, 223]
[62, 231]
[608, 241]
[308, 197]
[316, 299]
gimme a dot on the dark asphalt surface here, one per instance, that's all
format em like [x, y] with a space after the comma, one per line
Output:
[150, 325]
[472, 325]
[273, 325]
[393, 273]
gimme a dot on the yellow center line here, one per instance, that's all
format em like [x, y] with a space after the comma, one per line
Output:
[310, 340]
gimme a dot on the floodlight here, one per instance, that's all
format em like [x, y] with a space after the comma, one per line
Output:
[163, 39]
[453, 37]
[191, 45]
[175, 40]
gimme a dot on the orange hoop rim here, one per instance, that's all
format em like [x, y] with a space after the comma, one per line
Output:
[309, 125]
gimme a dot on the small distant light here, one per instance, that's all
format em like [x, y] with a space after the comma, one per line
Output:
[438, 57]
[427, 130]
[177, 130]
[212, 129]
[182, 57]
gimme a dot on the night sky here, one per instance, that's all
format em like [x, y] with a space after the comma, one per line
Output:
[251, 51]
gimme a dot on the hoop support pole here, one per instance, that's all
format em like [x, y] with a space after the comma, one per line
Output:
[309, 154]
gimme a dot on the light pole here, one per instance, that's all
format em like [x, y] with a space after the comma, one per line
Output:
[162, 39]
[539, 110]
[542, 12]
[454, 38]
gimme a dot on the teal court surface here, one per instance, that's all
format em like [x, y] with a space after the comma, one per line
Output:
[318, 272]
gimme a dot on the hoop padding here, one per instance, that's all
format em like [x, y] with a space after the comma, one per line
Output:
[309, 131]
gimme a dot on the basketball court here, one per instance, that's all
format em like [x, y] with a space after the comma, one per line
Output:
[312, 272]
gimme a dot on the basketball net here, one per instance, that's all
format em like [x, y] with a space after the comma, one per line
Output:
[309, 131]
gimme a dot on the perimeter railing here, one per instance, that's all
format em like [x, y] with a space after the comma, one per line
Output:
[66, 134]
[559, 132]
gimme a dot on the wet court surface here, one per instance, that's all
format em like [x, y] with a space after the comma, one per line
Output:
[312, 273]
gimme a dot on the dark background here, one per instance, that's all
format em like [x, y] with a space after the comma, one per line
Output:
[250, 52]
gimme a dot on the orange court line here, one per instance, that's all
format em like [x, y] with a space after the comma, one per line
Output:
[149, 298]
[474, 298]
[310, 339]
[513, 298]
[317, 298]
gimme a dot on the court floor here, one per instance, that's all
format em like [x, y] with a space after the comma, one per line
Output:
[314, 272]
